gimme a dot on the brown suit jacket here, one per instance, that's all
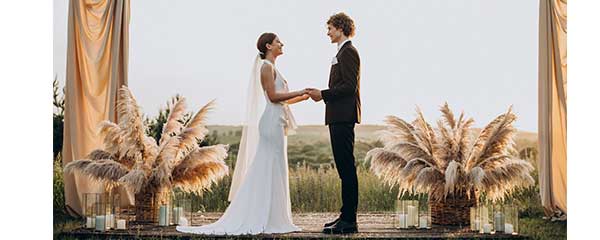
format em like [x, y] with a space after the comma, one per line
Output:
[342, 99]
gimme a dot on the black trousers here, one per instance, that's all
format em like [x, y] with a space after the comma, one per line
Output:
[342, 144]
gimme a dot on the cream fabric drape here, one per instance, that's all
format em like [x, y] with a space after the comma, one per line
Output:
[552, 113]
[97, 56]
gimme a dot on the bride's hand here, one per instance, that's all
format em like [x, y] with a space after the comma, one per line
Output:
[305, 97]
[302, 92]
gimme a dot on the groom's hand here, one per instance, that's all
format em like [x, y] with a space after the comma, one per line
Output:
[315, 94]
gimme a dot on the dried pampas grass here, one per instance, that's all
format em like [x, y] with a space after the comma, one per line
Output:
[131, 158]
[446, 160]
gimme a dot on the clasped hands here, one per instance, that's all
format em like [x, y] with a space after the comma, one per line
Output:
[313, 93]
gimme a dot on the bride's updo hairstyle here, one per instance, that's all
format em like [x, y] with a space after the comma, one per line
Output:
[261, 45]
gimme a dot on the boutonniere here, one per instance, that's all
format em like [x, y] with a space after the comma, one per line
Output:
[334, 61]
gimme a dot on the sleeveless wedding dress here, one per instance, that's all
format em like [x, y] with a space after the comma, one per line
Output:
[262, 202]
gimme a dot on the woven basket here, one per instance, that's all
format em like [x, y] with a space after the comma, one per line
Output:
[147, 204]
[454, 211]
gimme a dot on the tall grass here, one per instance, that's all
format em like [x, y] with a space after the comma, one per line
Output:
[313, 190]
[58, 201]
[320, 191]
[62, 220]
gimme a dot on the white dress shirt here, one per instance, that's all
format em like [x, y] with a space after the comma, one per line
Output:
[334, 60]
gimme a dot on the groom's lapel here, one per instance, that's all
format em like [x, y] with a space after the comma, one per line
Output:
[346, 44]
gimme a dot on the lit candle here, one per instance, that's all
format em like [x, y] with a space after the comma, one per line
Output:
[423, 222]
[508, 228]
[90, 222]
[121, 224]
[101, 223]
[487, 228]
[402, 220]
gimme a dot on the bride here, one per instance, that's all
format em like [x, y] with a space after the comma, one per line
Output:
[260, 194]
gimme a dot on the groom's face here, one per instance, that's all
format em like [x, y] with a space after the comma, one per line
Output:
[335, 34]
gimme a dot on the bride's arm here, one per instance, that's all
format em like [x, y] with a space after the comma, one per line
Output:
[297, 99]
[268, 83]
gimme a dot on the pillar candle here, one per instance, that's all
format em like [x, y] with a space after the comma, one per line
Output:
[101, 223]
[499, 222]
[163, 217]
[177, 213]
[487, 228]
[508, 228]
[90, 222]
[412, 216]
[121, 224]
[175, 216]
[402, 220]
[477, 225]
[110, 221]
[423, 222]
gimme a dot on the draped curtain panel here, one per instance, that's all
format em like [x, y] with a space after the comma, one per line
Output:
[552, 115]
[97, 55]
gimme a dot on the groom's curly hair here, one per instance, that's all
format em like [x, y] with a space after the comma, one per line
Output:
[344, 22]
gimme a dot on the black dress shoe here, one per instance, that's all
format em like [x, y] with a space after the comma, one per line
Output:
[329, 224]
[341, 227]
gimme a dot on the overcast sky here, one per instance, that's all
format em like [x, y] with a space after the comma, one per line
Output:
[479, 55]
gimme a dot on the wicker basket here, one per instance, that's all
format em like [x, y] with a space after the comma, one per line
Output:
[147, 204]
[455, 210]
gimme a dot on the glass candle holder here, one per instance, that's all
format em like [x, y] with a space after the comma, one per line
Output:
[498, 218]
[511, 219]
[88, 207]
[101, 219]
[424, 215]
[163, 206]
[125, 216]
[113, 209]
[474, 219]
[407, 212]
[93, 205]
[486, 219]
[181, 209]
[400, 217]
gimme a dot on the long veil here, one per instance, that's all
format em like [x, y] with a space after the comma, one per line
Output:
[248, 144]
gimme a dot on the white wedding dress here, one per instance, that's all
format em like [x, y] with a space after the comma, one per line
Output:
[261, 203]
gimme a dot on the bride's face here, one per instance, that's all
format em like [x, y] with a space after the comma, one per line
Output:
[276, 47]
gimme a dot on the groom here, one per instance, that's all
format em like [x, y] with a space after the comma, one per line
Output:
[342, 111]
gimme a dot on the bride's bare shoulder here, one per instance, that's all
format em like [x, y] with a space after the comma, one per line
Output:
[267, 70]
[266, 67]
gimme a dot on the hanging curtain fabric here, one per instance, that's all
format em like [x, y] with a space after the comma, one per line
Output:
[552, 114]
[97, 55]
